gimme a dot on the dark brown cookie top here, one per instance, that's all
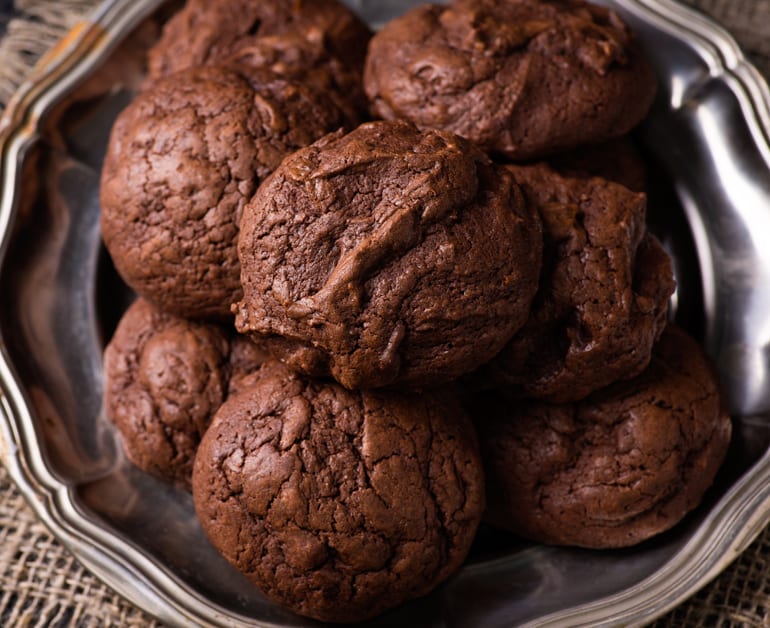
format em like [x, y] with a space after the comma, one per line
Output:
[165, 377]
[523, 78]
[615, 469]
[307, 61]
[387, 256]
[207, 32]
[603, 293]
[182, 160]
[339, 504]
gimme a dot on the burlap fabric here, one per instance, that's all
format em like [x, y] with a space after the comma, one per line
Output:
[41, 584]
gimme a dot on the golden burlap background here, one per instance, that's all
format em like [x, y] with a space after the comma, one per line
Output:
[41, 584]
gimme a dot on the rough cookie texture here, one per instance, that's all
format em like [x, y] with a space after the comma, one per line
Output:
[339, 504]
[603, 293]
[387, 256]
[306, 40]
[165, 377]
[523, 78]
[615, 469]
[182, 160]
[307, 61]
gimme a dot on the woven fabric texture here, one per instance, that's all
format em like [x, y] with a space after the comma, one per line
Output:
[32, 27]
[41, 584]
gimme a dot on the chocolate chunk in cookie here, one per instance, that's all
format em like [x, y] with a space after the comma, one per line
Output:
[183, 159]
[387, 256]
[339, 504]
[522, 78]
[603, 293]
[614, 469]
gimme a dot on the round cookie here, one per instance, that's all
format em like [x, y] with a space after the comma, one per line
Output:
[521, 78]
[208, 32]
[182, 160]
[339, 504]
[387, 256]
[603, 293]
[614, 469]
[165, 377]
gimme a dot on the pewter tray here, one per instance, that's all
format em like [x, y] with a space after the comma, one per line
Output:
[708, 150]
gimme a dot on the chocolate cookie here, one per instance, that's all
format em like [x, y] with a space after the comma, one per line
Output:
[295, 57]
[603, 293]
[523, 78]
[165, 377]
[387, 256]
[338, 504]
[182, 160]
[615, 469]
[306, 40]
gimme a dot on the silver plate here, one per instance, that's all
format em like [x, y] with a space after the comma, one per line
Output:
[707, 143]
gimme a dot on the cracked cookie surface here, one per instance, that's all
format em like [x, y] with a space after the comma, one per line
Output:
[614, 469]
[603, 294]
[318, 42]
[165, 377]
[207, 32]
[387, 256]
[183, 159]
[296, 58]
[339, 504]
[522, 78]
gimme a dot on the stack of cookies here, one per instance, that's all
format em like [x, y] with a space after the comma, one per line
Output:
[392, 285]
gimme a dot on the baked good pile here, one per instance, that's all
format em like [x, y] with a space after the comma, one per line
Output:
[394, 285]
